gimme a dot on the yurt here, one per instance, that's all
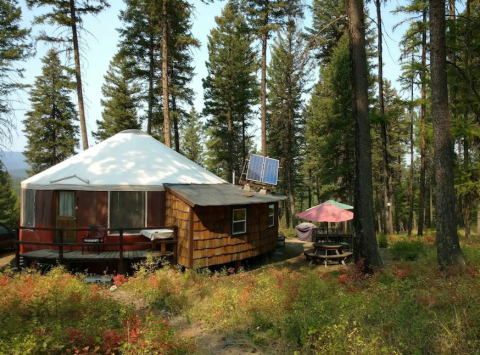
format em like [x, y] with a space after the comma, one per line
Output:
[131, 180]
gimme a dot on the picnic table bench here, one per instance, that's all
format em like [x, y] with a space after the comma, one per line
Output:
[321, 253]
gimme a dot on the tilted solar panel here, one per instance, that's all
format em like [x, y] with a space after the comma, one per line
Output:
[270, 172]
[255, 168]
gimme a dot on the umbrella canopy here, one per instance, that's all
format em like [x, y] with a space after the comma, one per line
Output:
[326, 212]
[341, 205]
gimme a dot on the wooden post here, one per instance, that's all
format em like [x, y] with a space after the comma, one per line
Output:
[175, 236]
[120, 262]
[60, 249]
[17, 248]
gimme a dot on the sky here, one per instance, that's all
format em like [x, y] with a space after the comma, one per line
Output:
[102, 46]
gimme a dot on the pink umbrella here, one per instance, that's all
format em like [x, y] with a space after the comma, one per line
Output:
[326, 212]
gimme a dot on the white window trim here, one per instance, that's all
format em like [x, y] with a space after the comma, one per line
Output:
[241, 220]
[273, 215]
[113, 234]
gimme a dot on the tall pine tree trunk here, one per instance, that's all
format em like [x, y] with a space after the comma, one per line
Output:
[364, 228]
[263, 88]
[410, 183]
[310, 188]
[466, 199]
[151, 65]
[230, 145]
[166, 113]
[448, 246]
[176, 134]
[423, 127]
[78, 75]
[387, 210]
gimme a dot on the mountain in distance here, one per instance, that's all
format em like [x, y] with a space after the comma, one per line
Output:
[15, 164]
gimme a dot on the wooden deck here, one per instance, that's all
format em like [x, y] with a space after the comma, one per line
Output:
[92, 256]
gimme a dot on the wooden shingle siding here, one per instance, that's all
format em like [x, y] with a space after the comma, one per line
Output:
[213, 242]
[177, 213]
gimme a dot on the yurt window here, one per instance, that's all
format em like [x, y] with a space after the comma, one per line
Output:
[127, 210]
[66, 203]
[271, 215]
[28, 208]
[239, 225]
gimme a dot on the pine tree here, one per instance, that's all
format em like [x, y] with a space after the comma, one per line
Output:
[180, 67]
[15, 47]
[49, 125]
[121, 95]
[288, 81]
[448, 246]
[329, 128]
[192, 138]
[363, 222]
[9, 201]
[69, 14]
[230, 91]
[329, 24]
[140, 41]
[265, 16]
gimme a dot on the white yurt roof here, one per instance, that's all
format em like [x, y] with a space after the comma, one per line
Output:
[131, 160]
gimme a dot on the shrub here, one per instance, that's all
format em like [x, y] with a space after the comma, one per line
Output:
[287, 232]
[407, 250]
[382, 241]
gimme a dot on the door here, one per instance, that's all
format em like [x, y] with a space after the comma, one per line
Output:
[66, 216]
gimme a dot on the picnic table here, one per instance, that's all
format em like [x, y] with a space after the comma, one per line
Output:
[327, 251]
[347, 240]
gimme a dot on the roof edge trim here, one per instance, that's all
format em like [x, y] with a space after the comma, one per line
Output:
[93, 187]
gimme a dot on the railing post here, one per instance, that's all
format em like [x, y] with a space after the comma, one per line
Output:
[120, 264]
[175, 231]
[17, 248]
[60, 249]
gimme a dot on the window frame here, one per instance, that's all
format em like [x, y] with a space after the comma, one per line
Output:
[272, 215]
[242, 220]
[115, 233]
[22, 210]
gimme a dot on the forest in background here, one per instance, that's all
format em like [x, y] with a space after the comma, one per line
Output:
[262, 65]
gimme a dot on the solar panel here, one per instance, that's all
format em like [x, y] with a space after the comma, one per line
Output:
[270, 172]
[255, 168]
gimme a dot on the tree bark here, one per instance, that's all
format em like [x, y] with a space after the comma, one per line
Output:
[166, 113]
[263, 88]
[78, 74]
[410, 184]
[388, 220]
[230, 145]
[310, 188]
[151, 65]
[176, 134]
[448, 246]
[466, 199]
[423, 127]
[364, 229]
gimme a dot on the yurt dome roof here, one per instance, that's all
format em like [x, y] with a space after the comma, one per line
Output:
[131, 160]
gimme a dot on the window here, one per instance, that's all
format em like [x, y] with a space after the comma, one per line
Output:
[271, 215]
[239, 224]
[66, 203]
[127, 210]
[28, 208]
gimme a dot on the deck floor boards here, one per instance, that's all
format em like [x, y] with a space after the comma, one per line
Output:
[86, 256]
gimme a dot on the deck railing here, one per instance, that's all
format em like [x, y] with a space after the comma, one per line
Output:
[120, 244]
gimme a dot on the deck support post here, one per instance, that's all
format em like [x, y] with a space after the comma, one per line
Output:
[17, 249]
[120, 262]
[60, 249]
[238, 265]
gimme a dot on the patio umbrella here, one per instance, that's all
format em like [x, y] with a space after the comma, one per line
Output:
[326, 212]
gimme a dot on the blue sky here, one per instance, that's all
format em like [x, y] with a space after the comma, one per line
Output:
[103, 45]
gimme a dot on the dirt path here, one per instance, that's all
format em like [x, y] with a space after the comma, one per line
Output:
[211, 342]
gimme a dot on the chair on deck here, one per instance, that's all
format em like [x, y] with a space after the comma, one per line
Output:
[94, 237]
